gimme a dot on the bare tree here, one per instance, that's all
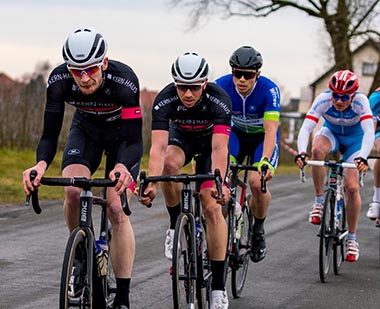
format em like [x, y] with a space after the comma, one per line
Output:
[346, 21]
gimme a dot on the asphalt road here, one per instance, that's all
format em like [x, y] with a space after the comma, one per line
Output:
[32, 248]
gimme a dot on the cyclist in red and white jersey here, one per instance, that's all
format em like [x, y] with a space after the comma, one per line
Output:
[348, 127]
[107, 120]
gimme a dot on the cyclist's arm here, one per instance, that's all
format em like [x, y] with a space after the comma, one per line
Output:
[368, 138]
[270, 139]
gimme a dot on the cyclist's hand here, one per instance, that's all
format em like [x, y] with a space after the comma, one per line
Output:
[301, 159]
[361, 164]
[28, 185]
[125, 178]
[225, 195]
[148, 195]
[265, 161]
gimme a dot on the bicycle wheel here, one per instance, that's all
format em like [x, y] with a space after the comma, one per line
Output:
[204, 275]
[184, 254]
[76, 287]
[230, 220]
[325, 236]
[109, 281]
[240, 269]
[341, 232]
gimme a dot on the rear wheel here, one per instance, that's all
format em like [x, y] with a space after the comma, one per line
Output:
[325, 236]
[240, 269]
[183, 279]
[76, 287]
[341, 231]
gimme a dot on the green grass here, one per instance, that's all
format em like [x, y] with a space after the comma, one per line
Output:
[13, 163]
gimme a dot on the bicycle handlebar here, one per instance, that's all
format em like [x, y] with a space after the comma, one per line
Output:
[184, 178]
[78, 182]
[236, 167]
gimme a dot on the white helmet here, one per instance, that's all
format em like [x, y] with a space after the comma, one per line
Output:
[83, 47]
[189, 68]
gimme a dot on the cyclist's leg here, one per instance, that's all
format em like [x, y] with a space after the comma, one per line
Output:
[80, 158]
[122, 246]
[323, 143]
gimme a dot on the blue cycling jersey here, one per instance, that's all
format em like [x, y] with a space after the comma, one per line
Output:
[249, 113]
[374, 102]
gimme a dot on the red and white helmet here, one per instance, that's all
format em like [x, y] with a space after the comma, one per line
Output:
[344, 82]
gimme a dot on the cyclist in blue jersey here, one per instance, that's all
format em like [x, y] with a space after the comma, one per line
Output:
[107, 120]
[254, 133]
[348, 128]
[374, 206]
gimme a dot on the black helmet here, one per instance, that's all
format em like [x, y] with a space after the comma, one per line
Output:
[246, 57]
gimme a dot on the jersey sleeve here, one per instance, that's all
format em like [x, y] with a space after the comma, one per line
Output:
[53, 119]
[131, 148]
[272, 107]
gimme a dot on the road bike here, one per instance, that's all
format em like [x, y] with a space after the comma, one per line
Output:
[87, 278]
[191, 268]
[239, 229]
[332, 231]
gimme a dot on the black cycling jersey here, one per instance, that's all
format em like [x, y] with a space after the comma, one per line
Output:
[113, 107]
[213, 109]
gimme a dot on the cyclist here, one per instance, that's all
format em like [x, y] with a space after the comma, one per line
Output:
[254, 133]
[348, 127]
[374, 206]
[192, 116]
[108, 119]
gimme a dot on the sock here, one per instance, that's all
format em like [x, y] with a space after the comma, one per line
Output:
[319, 199]
[122, 291]
[376, 194]
[217, 268]
[258, 225]
[173, 213]
[351, 236]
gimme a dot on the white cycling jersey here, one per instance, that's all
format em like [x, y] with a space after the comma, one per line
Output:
[352, 127]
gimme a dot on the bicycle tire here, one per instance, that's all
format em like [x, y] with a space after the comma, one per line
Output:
[229, 260]
[74, 291]
[109, 281]
[240, 269]
[325, 239]
[204, 274]
[183, 279]
[339, 248]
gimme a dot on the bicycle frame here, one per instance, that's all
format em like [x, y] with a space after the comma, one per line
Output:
[191, 214]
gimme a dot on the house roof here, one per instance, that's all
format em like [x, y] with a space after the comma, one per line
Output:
[369, 42]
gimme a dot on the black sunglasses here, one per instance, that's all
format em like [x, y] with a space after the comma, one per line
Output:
[343, 97]
[246, 74]
[191, 87]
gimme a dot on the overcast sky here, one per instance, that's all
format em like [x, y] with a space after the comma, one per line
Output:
[148, 35]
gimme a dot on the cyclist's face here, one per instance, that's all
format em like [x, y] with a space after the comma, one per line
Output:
[89, 83]
[341, 104]
[190, 94]
[244, 80]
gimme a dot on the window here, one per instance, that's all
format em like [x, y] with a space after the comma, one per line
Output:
[368, 69]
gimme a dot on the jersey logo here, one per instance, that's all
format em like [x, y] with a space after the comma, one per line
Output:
[73, 152]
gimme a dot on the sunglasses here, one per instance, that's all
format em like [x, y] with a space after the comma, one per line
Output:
[191, 87]
[92, 69]
[246, 74]
[343, 97]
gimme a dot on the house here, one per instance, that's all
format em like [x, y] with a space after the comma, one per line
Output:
[365, 60]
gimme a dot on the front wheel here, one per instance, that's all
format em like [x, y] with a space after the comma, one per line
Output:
[184, 255]
[325, 236]
[76, 287]
[341, 232]
[240, 269]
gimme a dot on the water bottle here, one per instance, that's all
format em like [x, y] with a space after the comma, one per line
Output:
[339, 205]
[102, 255]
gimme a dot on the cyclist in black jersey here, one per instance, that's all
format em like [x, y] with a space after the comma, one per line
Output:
[193, 117]
[108, 119]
